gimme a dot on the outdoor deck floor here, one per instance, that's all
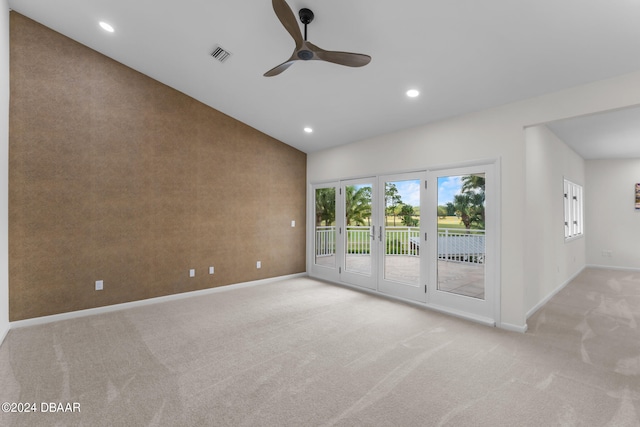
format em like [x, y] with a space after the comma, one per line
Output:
[455, 277]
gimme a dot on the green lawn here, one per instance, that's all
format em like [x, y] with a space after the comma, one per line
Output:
[448, 222]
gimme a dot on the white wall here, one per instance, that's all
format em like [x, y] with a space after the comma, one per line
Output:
[550, 262]
[4, 169]
[494, 133]
[611, 221]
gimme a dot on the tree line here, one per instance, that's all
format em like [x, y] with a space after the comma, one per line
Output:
[468, 205]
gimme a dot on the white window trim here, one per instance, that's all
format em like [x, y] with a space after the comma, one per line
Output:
[573, 210]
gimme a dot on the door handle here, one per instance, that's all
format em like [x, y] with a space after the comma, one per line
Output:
[373, 232]
[380, 234]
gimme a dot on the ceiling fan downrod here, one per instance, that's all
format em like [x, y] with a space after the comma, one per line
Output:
[306, 17]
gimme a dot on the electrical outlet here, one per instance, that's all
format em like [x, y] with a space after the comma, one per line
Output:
[293, 223]
[192, 272]
[99, 285]
[211, 270]
[607, 253]
[259, 264]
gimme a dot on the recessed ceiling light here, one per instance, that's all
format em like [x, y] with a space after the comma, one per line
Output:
[412, 93]
[106, 26]
[308, 130]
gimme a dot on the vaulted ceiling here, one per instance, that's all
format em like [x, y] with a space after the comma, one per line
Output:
[462, 55]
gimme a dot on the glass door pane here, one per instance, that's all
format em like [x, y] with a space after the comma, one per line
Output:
[402, 231]
[325, 227]
[358, 239]
[461, 245]
[358, 225]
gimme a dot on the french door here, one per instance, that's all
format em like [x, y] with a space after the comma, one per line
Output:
[326, 204]
[462, 230]
[357, 243]
[428, 237]
[380, 236]
[401, 232]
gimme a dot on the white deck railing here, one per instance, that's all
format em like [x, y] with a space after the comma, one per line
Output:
[453, 244]
[325, 241]
[402, 240]
[359, 239]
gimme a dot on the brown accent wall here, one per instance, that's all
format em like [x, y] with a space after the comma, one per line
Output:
[114, 176]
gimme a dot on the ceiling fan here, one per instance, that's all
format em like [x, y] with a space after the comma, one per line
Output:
[305, 50]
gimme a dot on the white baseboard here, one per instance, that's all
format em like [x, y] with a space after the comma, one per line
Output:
[132, 304]
[553, 293]
[513, 328]
[461, 314]
[609, 267]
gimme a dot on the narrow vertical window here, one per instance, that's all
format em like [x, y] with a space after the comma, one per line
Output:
[573, 210]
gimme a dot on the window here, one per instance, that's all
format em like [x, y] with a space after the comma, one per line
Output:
[573, 210]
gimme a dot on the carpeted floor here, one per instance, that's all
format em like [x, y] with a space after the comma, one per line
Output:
[305, 353]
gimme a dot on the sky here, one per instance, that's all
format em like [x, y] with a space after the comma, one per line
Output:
[448, 186]
[409, 191]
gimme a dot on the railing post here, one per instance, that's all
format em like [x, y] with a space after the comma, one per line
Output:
[446, 244]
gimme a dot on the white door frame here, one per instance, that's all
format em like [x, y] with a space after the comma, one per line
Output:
[409, 291]
[484, 310]
[316, 269]
[352, 277]
[490, 314]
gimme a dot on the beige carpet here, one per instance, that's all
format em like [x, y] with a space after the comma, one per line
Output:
[305, 353]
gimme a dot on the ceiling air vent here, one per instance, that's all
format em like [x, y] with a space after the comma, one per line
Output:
[220, 54]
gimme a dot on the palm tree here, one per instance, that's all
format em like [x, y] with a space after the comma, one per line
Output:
[325, 206]
[357, 204]
[470, 209]
[473, 183]
[462, 203]
[469, 204]
[476, 210]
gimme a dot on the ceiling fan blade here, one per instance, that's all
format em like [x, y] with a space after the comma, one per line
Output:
[343, 58]
[279, 68]
[288, 20]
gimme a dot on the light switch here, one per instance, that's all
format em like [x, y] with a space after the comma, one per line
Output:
[192, 272]
[258, 264]
[99, 285]
[293, 223]
[211, 270]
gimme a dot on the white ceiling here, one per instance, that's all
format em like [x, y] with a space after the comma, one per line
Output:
[463, 55]
[610, 135]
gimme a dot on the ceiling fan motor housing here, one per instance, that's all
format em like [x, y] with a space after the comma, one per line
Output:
[306, 16]
[305, 55]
